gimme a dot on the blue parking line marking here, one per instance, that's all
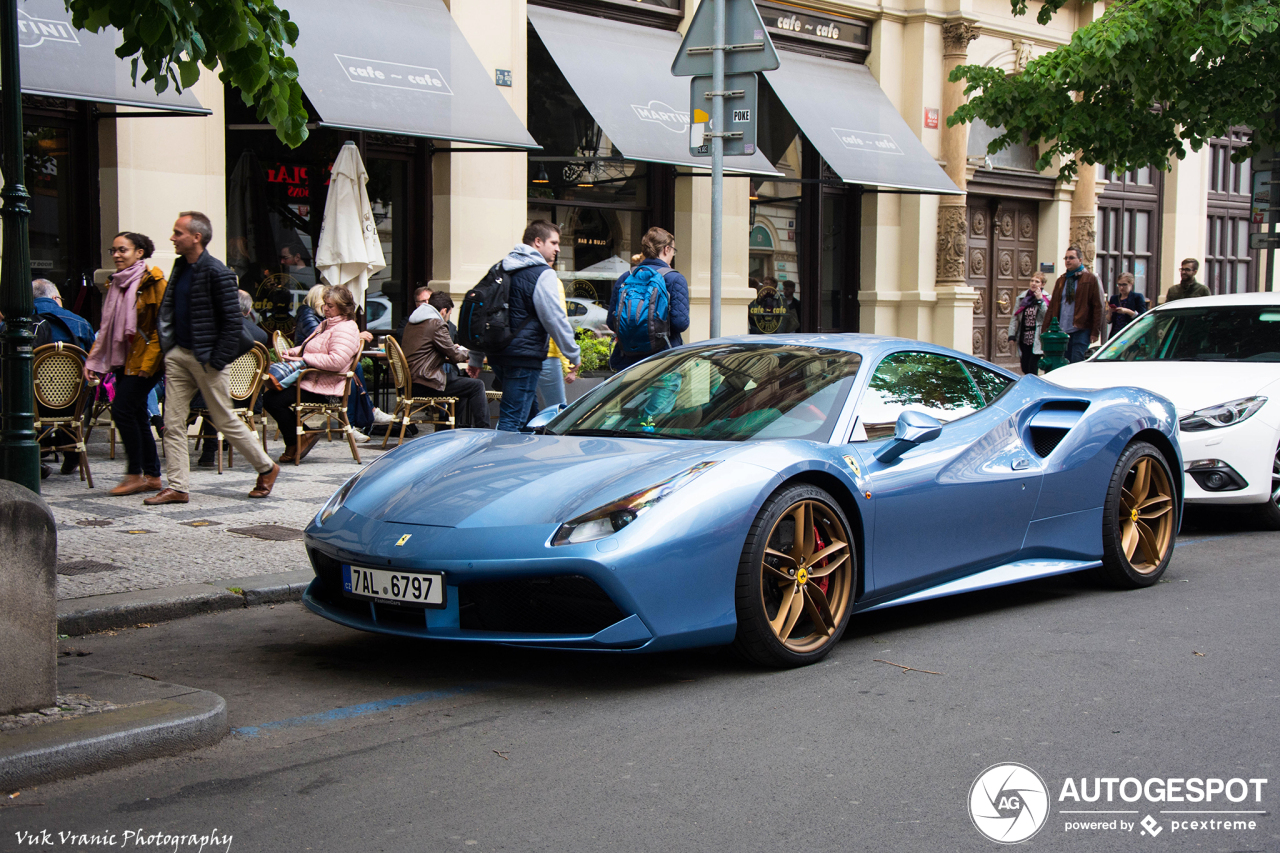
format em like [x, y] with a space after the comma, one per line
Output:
[357, 710]
[1198, 541]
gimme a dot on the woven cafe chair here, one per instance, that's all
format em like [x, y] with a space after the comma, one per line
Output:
[438, 411]
[331, 409]
[245, 377]
[61, 391]
[99, 408]
[279, 343]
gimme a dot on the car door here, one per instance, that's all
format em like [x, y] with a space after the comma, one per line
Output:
[958, 503]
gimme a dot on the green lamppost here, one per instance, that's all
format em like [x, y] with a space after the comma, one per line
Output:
[1054, 344]
[19, 453]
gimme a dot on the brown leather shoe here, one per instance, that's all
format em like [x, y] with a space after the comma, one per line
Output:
[168, 496]
[132, 484]
[306, 441]
[153, 484]
[265, 481]
[289, 455]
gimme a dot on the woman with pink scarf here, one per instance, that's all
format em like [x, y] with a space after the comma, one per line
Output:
[128, 345]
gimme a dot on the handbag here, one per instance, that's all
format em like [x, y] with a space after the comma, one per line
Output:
[282, 374]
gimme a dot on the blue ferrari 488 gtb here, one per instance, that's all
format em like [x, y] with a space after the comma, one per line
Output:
[753, 491]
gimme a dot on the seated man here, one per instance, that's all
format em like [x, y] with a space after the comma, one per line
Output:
[53, 323]
[428, 347]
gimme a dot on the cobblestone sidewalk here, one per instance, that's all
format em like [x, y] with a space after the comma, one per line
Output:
[116, 544]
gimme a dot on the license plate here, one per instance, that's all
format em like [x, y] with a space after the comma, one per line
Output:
[422, 588]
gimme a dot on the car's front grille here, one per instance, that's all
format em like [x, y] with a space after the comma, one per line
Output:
[560, 604]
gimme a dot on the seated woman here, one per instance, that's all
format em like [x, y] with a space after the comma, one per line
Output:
[330, 348]
[310, 313]
[428, 346]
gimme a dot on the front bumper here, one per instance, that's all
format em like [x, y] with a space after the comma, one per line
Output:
[1246, 453]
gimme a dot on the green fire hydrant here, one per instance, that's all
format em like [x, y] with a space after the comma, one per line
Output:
[1054, 344]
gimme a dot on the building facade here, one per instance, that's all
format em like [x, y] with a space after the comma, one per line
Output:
[477, 116]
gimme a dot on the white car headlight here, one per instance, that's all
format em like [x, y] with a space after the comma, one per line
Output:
[612, 517]
[339, 497]
[1225, 414]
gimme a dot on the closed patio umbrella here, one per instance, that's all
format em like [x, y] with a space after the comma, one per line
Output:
[350, 250]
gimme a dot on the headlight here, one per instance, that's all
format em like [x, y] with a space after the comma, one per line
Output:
[1222, 415]
[610, 518]
[339, 497]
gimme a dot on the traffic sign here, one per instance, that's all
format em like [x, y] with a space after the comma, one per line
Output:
[740, 115]
[1264, 240]
[747, 42]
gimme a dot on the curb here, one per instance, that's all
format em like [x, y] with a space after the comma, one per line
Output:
[78, 616]
[157, 719]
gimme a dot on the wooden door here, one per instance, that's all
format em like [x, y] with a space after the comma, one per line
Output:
[1001, 257]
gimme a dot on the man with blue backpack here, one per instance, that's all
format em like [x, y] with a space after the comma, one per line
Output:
[649, 307]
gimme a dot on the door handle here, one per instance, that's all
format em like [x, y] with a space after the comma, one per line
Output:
[1021, 464]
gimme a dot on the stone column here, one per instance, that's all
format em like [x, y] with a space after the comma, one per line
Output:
[1084, 212]
[28, 602]
[953, 317]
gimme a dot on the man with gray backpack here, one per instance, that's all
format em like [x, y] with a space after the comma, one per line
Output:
[649, 307]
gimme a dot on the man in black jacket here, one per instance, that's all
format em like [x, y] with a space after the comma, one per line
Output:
[199, 328]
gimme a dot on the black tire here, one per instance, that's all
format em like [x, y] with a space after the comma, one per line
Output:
[777, 569]
[1268, 514]
[1139, 519]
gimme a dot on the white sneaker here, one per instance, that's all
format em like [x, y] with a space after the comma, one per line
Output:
[358, 435]
[381, 417]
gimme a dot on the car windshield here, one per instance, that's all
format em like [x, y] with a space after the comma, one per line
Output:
[725, 392]
[1234, 333]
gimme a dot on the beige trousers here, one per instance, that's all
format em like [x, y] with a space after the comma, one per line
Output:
[183, 377]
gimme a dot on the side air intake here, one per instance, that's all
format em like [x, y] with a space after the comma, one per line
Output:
[1050, 425]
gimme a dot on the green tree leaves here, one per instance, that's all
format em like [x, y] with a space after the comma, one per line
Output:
[170, 39]
[1139, 84]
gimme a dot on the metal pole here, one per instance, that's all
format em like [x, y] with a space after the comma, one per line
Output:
[19, 453]
[717, 164]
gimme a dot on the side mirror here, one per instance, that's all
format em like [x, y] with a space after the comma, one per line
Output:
[538, 423]
[911, 429]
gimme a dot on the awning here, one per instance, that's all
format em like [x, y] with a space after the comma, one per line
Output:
[399, 67]
[59, 61]
[849, 119]
[622, 74]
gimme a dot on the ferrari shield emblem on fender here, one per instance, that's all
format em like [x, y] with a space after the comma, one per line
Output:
[403, 539]
[853, 463]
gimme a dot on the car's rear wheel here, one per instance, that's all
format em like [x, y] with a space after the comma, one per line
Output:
[796, 579]
[1140, 518]
[1269, 512]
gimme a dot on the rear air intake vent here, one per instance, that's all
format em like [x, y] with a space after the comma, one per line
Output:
[1045, 439]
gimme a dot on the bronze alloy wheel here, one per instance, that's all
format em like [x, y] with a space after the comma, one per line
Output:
[796, 579]
[1140, 518]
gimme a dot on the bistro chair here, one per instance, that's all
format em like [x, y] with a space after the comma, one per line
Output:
[245, 376]
[99, 408]
[332, 409]
[279, 343]
[438, 411]
[62, 394]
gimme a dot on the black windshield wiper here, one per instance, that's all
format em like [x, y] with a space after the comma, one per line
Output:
[626, 433]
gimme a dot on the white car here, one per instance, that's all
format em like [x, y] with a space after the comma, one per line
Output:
[1217, 359]
[585, 314]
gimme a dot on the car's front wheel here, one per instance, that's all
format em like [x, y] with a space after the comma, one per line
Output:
[796, 579]
[1140, 518]
[1269, 512]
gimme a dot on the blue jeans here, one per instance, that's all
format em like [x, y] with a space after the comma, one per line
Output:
[519, 389]
[1077, 345]
[551, 385]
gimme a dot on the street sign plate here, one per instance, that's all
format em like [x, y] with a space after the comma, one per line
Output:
[1263, 240]
[743, 28]
[740, 115]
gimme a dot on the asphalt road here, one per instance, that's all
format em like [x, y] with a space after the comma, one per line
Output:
[352, 742]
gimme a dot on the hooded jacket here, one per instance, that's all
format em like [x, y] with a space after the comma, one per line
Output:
[216, 320]
[428, 345]
[537, 312]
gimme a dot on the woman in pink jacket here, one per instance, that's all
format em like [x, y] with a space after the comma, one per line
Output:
[331, 347]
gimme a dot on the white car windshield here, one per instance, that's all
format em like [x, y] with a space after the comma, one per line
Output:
[1212, 333]
[727, 392]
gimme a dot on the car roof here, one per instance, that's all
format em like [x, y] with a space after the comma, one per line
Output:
[1223, 299]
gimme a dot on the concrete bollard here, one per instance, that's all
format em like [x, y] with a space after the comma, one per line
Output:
[28, 601]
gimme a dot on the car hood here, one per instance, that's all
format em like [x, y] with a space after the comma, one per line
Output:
[473, 478]
[1189, 385]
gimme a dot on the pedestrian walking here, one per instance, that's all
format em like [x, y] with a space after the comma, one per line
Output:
[331, 348]
[1125, 304]
[1077, 303]
[651, 274]
[1188, 287]
[200, 327]
[536, 316]
[551, 381]
[1024, 325]
[128, 346]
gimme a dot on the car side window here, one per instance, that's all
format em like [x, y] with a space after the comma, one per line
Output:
[937, 385]
[990, 383]
[577, 309]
